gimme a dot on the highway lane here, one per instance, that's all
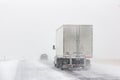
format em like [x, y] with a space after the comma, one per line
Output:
[46, 71]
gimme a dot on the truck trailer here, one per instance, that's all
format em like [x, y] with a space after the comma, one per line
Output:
[74, 46]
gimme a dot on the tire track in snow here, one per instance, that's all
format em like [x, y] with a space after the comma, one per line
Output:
[85, 74]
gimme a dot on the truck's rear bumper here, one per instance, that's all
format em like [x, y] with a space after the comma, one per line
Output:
[73, 65]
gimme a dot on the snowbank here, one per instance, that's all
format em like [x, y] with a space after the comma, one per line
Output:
[8, 69]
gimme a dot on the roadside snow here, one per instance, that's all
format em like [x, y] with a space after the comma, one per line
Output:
[8, 69]
[34, 70]
[106, 69]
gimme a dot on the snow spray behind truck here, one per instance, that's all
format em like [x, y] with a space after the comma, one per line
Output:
[74, 46]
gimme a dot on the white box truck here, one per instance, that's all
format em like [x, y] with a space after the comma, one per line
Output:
[74, 46]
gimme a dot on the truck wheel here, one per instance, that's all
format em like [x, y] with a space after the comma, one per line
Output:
[55, 65]
[62, 68]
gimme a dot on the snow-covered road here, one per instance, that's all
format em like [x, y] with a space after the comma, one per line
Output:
[35, 70]
[97, 72]
[31, 70]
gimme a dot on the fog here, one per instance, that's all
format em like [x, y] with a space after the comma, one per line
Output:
[28, 27]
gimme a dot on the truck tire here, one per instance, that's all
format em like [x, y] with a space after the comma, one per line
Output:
[55, 65]
[62, 68]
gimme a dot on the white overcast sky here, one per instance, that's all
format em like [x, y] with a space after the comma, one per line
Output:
[27, 27]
